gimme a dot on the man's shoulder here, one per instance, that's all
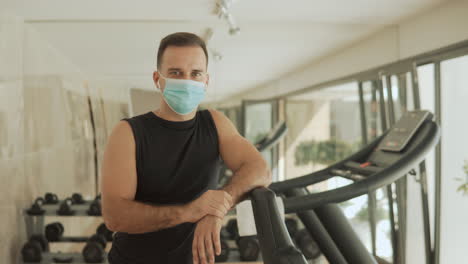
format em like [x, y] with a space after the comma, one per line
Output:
[218, 117]
[223, 123]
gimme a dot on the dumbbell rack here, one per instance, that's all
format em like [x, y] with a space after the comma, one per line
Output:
[237, 252]
[59, 257]
[35, 226]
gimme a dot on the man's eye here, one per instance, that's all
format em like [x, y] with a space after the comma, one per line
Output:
[197, 74]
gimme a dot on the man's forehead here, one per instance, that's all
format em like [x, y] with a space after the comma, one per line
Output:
[191, 57]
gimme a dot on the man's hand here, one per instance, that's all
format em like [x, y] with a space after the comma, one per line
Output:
[206, 240]
[212, 202]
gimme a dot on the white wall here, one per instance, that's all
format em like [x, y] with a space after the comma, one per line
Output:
[46, 137]
[439, 27]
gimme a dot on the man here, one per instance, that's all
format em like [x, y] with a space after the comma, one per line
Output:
[160, 169]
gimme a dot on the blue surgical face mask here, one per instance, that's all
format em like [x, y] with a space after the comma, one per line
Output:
[183, 96]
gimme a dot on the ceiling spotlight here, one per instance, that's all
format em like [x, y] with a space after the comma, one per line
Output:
[223, 7]
[223, 13]
[217, 56]
[207, 36]
[234, 31]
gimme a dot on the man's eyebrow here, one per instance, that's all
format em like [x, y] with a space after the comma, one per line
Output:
[179, 69]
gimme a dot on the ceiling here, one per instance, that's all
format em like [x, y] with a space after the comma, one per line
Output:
[119, 39]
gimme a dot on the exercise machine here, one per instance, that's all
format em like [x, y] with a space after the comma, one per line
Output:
[379, 164]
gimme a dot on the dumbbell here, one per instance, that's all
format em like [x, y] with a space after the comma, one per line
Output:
[232, 229]
[36, 207]
[65, 207]
[292, 226]
[95, 207]
[54, 231]
[224, 234]
[105, 232]
[249, 248]
[77, 198]
[62, 259]
[223, 257]
[32, 250]
[51, 198]
[94, 250]
[307, 244]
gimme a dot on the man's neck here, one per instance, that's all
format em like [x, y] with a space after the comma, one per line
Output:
[165, 112]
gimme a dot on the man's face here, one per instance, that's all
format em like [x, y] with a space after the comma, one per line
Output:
[182, 63]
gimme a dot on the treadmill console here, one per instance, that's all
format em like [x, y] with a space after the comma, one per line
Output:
[403, 130]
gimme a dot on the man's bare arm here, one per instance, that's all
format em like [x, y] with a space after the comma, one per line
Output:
[119, 181]
[249, 167]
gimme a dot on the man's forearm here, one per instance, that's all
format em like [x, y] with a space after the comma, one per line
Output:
[247, 178]
[136, 217]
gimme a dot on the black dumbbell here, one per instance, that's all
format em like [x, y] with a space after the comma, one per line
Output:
[51, 198]
[42, 241]
[307, 244]
[95, 208]
[77, 199]
[32, 250]
[224, 234]
[249, 248]
[65, 207]
[36, 207]
[54, 231]
[100, 239]
[62, 259]
[223, 257]
[232, 229]
[94, 250]
[104, 231]
[292, 226]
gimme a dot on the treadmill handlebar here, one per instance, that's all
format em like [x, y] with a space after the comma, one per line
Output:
[276, 134]
[323, 174]
[430, 134]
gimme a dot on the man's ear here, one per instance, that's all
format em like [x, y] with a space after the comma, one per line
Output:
[156, 79]
[207, 79]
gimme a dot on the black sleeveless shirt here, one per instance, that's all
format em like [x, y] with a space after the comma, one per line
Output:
[176, 162]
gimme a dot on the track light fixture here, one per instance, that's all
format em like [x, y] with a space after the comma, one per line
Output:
[223, 7]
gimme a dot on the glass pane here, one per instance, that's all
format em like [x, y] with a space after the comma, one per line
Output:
[324, 127]
[345, 131]
[415, 251]
[372, 110]
[383, 226]
[454, 207]
[258, 123]
[374, 124]
[233, 114]
[426, 78]
[397, 102]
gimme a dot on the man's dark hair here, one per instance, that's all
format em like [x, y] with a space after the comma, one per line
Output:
[180, 39]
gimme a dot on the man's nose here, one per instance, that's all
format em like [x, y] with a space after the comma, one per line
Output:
[186, 76]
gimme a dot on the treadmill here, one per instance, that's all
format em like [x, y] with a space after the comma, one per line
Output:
[382, 162]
